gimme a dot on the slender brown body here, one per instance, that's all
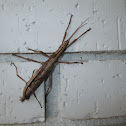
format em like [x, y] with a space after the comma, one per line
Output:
[43, 72]
[47, 67]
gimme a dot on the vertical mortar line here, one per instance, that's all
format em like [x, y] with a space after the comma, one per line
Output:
[11, 16]
[96, 46]
[96, 107]
[45, 99]
[37, 38]
[125, 4]
[118, 33]
[5, 108]
[18, 23]
[60, 99]
[125, 11]
[18, 32]
[3, 5]
[110, 5]
[94, 6]
[125, 34]
[36, 20]
[78, 96]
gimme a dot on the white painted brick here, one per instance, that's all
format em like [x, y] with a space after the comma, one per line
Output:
[96, 89]
[41, 25]
[11, 109]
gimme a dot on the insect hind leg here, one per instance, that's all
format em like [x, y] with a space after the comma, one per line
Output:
[50, 85]
[35, 97]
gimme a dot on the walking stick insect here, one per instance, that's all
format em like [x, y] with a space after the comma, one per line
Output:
[45, 71]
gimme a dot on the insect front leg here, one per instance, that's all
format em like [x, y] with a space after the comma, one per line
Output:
[45, 54]
[67, 29]
[18, 74]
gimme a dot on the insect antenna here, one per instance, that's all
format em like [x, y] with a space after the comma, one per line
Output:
[78, 37]
[80, 26]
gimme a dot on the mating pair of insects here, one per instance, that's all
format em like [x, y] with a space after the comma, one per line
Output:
[45, 71]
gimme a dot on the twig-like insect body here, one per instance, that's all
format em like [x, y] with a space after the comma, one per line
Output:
[46, 69]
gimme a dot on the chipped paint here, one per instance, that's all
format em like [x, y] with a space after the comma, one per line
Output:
[77, 6]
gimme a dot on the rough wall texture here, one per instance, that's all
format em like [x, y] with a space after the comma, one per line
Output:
[92, 93]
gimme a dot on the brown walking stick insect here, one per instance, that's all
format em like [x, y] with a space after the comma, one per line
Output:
[46, 69]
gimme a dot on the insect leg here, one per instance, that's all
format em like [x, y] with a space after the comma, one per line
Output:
[37, 100]
[18, 74]
[70, 62]
[67, 29]
[78, 37]
[27, 59]
[39, 52]
[35, 97]
[34, 72]
[50, 85]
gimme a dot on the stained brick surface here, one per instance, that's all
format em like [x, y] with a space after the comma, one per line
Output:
[95, 89]
[11, 109]
[41, 25]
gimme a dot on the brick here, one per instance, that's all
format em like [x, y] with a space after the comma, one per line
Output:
[41, 25]
[11, 109]
[95, 89]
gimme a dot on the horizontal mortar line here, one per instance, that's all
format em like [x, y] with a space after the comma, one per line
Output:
[81, 52]
[84, 56]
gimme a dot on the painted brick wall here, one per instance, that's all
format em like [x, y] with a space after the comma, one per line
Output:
[93, 90]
